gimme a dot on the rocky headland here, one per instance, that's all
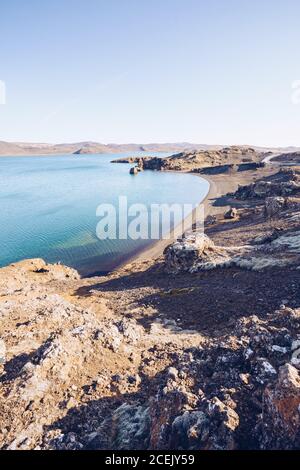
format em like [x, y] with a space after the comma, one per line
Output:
[225, 159]
[195, 348]
[290, 157]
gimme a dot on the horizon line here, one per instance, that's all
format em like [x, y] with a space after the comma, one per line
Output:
[184, 142]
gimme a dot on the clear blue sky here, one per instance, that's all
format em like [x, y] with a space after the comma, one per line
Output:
[218, 71]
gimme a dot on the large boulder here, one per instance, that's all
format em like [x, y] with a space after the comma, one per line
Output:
[133, 170]
[130, 427]
[273, 205]
[281, 411]
[175, 423]
[211, 429]
[181, 255]
[232, 213]
[262, 188]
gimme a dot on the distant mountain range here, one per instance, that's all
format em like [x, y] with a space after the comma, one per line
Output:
[22, 148]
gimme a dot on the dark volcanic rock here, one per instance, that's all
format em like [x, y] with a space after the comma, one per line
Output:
[273, 205]
[231, 214]
[283, 183]
[281, 411]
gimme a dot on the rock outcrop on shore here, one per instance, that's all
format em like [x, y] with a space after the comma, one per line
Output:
[188, 161]
[225, 160]
[286, 182]
[290, 157]
[278, 248]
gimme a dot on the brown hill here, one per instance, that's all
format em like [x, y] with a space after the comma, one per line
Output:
[29, 148]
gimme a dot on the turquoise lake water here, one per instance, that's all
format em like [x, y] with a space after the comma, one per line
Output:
[48, 207]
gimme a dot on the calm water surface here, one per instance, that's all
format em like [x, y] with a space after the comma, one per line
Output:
[48, 207]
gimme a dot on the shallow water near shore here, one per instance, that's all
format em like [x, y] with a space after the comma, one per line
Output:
[48, 207]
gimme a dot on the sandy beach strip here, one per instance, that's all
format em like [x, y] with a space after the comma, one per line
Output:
[219, 186]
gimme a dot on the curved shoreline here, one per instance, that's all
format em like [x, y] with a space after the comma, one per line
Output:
[155, 248]
[219, 185]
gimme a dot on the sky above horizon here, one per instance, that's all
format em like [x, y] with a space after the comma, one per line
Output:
[217, 72]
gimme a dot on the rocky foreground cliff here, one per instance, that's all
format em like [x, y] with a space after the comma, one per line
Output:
[199, 349]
